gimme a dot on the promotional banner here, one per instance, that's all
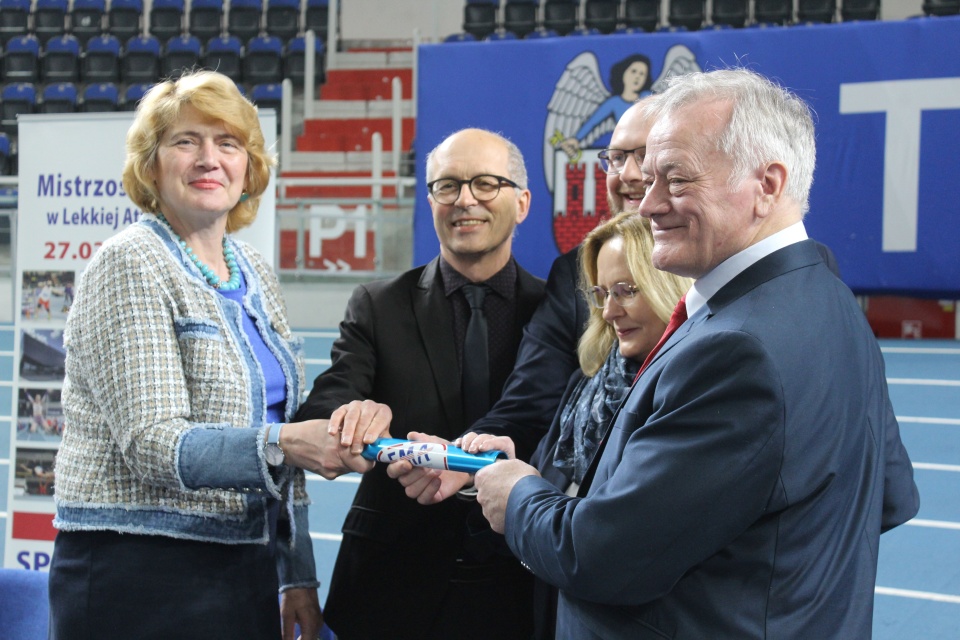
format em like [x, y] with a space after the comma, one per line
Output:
[70, 200]
[885, 96]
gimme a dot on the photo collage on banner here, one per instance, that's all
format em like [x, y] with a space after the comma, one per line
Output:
[71, 200]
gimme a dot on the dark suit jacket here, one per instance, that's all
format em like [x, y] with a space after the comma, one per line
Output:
[397, 346]
[547, 357]
[746, 479]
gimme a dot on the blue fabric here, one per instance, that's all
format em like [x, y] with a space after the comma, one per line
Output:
[24, 612]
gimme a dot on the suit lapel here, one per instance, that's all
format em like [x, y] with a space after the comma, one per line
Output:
[434, 316]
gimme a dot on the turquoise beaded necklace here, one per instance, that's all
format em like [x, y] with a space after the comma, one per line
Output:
[228, 256]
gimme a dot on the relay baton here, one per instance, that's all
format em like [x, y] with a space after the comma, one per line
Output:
[429, 454]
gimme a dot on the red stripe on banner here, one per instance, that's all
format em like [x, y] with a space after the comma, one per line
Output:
[33, 526]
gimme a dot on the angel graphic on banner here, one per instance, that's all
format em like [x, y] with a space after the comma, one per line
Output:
[582, 112]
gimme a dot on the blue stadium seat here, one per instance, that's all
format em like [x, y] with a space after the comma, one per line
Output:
[206, 19]
[816, 10]
[100, 97]
[689, 14]
[133, 94]
[14, 19]
[283, 18]
[499, 36]
[520, 16]
[101, 60]
[584, 31]
[294, 61]
[316, 18]
[21, 62]
[86, 19]
[561, 16]
[225, 54]
[460, 37]
[61, 60]
[480, 17]
[641, 14]
[542, 33]
[49, 19]
[263, 61]
[16, 99]
[773, 12]
[181, 54]
[59, 98]
[268, 96]
[124, 18]
[243, 19]
[866, 9]
[140, 61]
[4, 154]
[941, 7]
[602, 15]
[732, 13]
[166, 19]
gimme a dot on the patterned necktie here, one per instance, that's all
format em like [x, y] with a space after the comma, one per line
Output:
[677, 318]
[476, 360]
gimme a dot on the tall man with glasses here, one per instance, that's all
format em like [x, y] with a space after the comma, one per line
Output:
[406, 570]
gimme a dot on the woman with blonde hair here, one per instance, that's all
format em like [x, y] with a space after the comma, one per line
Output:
[177, 517]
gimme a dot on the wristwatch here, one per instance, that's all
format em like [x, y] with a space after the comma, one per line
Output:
[272, 451]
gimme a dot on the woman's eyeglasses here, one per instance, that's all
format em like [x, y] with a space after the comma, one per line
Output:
[622, 293]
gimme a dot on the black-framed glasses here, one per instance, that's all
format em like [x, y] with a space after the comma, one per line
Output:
[614, 160]
[483, 187]
[622, 293]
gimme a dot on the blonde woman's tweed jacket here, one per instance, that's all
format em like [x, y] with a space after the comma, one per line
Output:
[165, 407]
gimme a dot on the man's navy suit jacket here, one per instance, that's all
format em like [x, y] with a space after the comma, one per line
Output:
[746, 480]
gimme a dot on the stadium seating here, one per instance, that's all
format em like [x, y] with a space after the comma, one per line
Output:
[641, 14]
[100, 97]
[206, 19]
[124, 18]
[283, 18]
[816, 10]
[602, 15]
[16, 99]
[224, 54]
[101, 60]
[49, 19]
[688, 14]
[294, 61]
[132, 96]
[86, 19]
[263, 61]
[166, 19]
[732, 13]
[14, 19]
[59, 98]
[243, 19]
[60, 61]
[21, 61]
[140, 61]
[180, 54]
[480, 17]
[520, 16]
[316, 18]
[561, 16]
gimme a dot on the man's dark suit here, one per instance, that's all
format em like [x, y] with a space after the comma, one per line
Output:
[746, 479]
[545, 360]
[397, 347]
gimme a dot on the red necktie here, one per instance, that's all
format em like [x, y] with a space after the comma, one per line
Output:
[677, 318]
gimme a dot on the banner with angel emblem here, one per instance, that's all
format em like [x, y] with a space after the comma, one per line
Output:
[888, 130]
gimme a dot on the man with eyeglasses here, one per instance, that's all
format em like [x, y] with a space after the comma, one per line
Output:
[407, 570]
[743, 487]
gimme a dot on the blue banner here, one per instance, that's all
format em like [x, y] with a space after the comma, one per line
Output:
[886, 97]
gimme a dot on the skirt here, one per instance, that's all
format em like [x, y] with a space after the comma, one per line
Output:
[106, 585]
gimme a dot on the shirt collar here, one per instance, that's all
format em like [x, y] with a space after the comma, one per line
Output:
[502, 282]
[706, 286]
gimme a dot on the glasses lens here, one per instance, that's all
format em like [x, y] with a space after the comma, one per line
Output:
[445, 191]
[597, 297]
[623, 293]
[485, 187]
[615, 160]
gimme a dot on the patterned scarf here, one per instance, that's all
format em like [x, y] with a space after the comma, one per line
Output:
[585, 418]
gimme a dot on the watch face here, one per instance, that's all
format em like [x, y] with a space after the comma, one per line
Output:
[273, 454]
